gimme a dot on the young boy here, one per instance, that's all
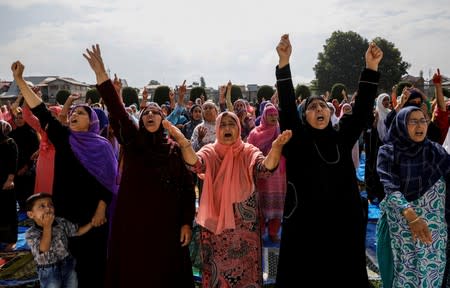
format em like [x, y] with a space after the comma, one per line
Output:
[48, 240]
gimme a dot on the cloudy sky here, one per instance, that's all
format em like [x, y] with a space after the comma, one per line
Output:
[173, 40]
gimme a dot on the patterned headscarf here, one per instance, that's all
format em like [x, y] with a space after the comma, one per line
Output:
[408, 166]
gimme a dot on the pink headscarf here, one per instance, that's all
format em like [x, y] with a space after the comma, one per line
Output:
[228, 179]
[263, 135]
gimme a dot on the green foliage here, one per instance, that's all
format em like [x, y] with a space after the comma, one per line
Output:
[93, 95]
[62, 96]
[302, 91]
[236, 93]
[130, 96]
[336, 92]
[202, 82]
[153, 82]
[161, 94]
[341, 61]
[402, 85]
[392, 67]
[196, 92]
[265, 92]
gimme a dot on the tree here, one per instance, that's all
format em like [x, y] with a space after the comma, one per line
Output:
[336, 92]
[401, 85]
[153, 82]
[302, 91]
[130, 96]
[62, 96]
[391, 67]
[236, 93]
[341, 61]
[161, 94]
[196, 92]
[93, 95]
[202, 82]
[264, 92]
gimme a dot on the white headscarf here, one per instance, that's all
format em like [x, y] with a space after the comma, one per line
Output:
[382, 114]
[333, 118]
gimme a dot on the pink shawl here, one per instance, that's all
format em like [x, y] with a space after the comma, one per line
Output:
[229, 179]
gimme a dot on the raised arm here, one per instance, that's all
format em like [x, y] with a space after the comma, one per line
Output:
[122, 125]
[228, 97]
[32, 99]
[289, 117]
[273, 157]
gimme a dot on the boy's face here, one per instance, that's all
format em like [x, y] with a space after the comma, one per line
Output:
[41, 207]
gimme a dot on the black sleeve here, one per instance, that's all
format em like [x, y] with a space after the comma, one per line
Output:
[57, 133]
[289, 117]
[351, 126]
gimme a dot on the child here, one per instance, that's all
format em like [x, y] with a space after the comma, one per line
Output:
[48, 240]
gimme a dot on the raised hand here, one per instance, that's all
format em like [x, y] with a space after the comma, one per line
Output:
[117, 83]
[284, 50]
[373, 56]
[282, 139]
[174, 132]
[94, 58]
[437, 78]
[17, 69]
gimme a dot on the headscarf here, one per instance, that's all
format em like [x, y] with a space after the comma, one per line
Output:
[103, 121]
[333, 118]
[5, 130]
[261, 111]
[414, 95]
[95, 152]
[228, 179]
[342, 113]
[382, 114]
[415, 166]
[263, 135]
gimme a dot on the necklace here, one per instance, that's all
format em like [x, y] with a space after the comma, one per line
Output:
[324, 160]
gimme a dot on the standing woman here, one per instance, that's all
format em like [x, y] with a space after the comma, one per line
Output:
[323, 215]
[228, 213]
[155, 200]
[272, 190]
[8, 167]
[411, 169]
[84, 179]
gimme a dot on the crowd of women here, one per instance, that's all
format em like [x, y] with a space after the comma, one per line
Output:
[133, 176]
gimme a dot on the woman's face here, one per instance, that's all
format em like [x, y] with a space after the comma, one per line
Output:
[151, 119]
[318, 114]
[228, 130]
[209, 112]
[385, 102]
[417, 126]
[272, 118]
[79, 120]
[197, 113]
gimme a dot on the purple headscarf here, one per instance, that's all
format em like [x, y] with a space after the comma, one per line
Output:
[95, 152]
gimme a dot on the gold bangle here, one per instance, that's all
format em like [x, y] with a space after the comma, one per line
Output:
[415, 220]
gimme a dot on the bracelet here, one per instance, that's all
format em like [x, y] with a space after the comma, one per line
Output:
[415, 220]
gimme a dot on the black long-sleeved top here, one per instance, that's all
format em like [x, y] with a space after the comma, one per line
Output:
[323, 218]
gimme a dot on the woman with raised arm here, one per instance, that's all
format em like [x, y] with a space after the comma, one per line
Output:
[323, 222]
[84, 179]
[156, 197]
[228, 212]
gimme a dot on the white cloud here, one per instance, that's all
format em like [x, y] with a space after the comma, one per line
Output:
[234, 40]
